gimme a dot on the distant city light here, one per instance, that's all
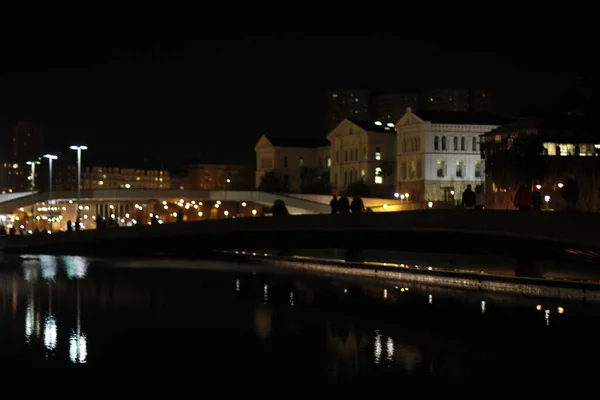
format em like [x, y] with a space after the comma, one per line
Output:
[378, 123]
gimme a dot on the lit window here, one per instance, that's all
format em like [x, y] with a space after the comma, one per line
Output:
[301, 161]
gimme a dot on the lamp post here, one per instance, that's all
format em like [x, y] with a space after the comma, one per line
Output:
[32, 163]
[51, 158]
[78, 149]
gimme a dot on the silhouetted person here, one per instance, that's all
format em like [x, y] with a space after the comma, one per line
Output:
[468, 198]
[154, 220]
[99, 222]
[69, 226]
[536, 199]
[77, 225]
[357, 205]
[12, 231]
[479, 198]
[344, 205]
[523, 199]
[570, 193]
[334, 204]
[180, 216]
[279, 209]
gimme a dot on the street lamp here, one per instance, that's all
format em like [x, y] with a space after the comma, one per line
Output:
[32, 163]
[547, 199]
[51, 158]
[78, 149]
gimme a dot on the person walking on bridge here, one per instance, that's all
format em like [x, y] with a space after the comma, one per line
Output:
[468, 198]
[523, 198]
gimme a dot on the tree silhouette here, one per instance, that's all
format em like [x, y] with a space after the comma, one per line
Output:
[358, 188]
[387, 169]
[272, 182]
[313, 183]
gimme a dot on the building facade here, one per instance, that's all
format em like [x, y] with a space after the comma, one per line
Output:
[220, 177]
[347, 103]
[455, 100]
[438, 153]
[359, 151]
[289, 158]
[544, 151]
[99, 177]
[391, 107]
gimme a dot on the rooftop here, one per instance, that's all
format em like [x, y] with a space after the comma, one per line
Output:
[461, 118]
[374, 126]
[298, 142]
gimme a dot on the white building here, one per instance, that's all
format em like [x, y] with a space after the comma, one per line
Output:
[438, 153]
[287, 157]
[358, 150]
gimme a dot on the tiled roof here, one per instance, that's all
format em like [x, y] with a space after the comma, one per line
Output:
[298, 142]
[556, 127]
[461, 118]
[372, 126]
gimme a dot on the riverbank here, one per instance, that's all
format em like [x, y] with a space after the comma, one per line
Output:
[427, 275]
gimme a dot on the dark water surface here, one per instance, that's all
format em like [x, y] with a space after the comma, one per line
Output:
[244, 319]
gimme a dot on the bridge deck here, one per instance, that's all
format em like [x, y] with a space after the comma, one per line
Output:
[502, 232]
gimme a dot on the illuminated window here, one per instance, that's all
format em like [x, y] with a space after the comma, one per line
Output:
[301, 161]
[328, 161]
[477, 168]
[460, 167]
[441, 168]
[378, 153]
[378, 177]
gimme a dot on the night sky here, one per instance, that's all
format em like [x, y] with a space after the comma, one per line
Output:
[182, 99]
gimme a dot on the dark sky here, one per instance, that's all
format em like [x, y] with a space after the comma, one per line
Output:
[178, 98]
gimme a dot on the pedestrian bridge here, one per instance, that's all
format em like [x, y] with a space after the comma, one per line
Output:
[539, 235]
[12, 201]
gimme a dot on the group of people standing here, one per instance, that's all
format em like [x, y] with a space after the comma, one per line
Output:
[530, 198]
[473, 199]
[344, 206]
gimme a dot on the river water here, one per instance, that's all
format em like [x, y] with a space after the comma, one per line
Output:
[246, 319]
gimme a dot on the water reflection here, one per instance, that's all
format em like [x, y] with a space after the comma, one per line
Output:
[390, 348]
[50, 332]
[378, 348]
[78, 339]
[31, 269]
[75, 266]
[349, 327]
[48, 265]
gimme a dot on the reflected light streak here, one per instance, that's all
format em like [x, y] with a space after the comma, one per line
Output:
[547, 317]
[78, 348]
[31, 270]
[390, 348]
[266, 293]
[385, 293]
[378, 348]
[49, 266]
[50, 332]
[483, 307]
[430, 299]
[29, 318]
[237, 285]
[291, 298]
[76, 266]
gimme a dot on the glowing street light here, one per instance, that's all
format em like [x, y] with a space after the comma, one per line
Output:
[560, 185]
[396, 195]
[78, 149]
[51, 158]
[33, 164]
[547, 200]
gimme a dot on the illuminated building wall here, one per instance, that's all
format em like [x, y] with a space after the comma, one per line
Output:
[98, 177]
[288, 157]
[358, 148]
[220, 177]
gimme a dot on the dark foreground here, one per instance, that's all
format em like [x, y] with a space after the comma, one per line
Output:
[254, 323]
